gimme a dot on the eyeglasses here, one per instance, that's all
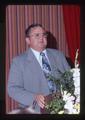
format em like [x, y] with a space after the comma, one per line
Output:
[39, 35]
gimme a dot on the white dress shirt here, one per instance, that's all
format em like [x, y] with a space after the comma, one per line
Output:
[39, 57]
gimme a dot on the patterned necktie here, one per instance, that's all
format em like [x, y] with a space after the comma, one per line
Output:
[45, 64]
[47, 71]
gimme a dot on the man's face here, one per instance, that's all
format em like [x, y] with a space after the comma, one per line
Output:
[38, 38]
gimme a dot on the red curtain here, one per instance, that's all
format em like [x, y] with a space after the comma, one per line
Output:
[71, 15]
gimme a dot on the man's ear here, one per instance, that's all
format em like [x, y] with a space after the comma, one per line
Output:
[27, 41]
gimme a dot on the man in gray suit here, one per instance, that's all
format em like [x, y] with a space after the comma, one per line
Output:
[27, 83]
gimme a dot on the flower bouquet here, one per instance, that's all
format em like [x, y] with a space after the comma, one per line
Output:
[67, 100]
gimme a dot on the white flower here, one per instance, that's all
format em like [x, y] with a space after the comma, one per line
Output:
[76, 72]
[69, 106]
[67, 96]
[77, 91]
[76, 78]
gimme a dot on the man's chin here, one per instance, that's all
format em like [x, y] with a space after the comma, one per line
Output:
[42, 47]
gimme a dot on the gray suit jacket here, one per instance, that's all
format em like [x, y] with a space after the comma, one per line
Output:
[26, 78]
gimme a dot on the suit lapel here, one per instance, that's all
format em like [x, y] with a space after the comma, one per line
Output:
[36, 72]
[53, 63]
[33, 61]
[51, 59]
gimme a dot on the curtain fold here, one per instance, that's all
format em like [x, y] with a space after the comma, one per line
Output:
[71, 14]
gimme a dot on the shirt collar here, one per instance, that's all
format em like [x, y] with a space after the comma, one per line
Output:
[37, 52]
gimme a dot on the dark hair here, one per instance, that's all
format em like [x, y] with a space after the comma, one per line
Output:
[27, 31]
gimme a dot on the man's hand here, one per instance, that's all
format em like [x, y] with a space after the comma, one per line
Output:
[40, 100]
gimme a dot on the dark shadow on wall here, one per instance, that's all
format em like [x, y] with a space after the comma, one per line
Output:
[52, 43]
[70, 62]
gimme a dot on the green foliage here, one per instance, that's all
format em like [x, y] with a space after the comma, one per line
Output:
[66, 81]
[55, 105]
[67, 84]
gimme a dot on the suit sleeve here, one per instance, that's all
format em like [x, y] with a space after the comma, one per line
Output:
[65, 64]
[15, 85]
[62, 62]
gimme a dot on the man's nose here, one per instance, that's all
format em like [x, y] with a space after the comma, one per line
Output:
[41, 36]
